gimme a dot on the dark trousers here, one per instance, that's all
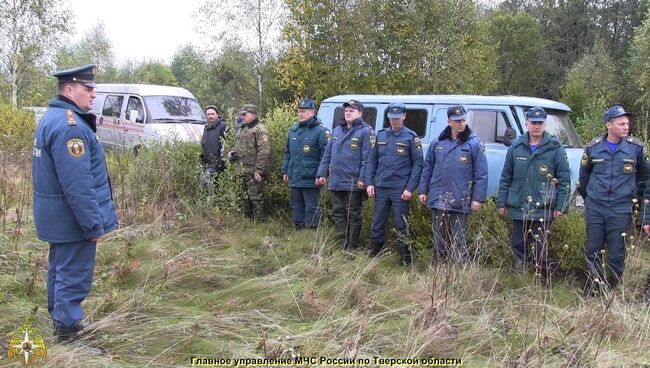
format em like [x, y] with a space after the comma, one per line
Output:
[605, 226]
[346, 211]
[254, 197]
[530, 243]
[449, 230]
[305, 206]
[69, 278]
[388, 200]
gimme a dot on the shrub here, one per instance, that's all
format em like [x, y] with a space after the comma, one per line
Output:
[16, 128]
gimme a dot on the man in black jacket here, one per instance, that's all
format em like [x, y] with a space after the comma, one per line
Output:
[212, 145]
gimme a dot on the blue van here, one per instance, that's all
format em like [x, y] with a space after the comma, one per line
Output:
[497, 120]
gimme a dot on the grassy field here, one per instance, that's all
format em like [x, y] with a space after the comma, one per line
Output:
[226, 288]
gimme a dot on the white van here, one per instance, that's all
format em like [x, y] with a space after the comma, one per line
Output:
[130, 115]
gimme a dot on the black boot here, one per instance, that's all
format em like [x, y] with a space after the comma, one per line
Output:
[405, 254]
[375, 248]
[613, 280]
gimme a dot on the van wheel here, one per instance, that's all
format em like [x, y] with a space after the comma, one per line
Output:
[137, 149]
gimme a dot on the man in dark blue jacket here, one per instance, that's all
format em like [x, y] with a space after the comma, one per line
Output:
[392, 176]
[73, 201]
[534, 189]
[304, 149]
[344, 162]
[613, 173]
[453, 184]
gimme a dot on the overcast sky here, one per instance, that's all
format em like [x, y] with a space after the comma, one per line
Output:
[139, 29]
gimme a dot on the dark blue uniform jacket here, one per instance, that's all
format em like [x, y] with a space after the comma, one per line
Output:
[613, 179]
[346, 156]
[455, 172]
[72, 194]
[395, 160]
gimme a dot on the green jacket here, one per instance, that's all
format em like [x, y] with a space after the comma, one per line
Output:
[534, 184]
[253, 147]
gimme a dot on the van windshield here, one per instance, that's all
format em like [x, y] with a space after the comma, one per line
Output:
[559, 124]
[170, 109]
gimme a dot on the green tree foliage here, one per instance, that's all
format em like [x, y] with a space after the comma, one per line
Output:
[93, 48]
[518, 37]
[29, 31]
[337, 46]
[640, 63]
[227, 80]
[592, 78]
[154, 72]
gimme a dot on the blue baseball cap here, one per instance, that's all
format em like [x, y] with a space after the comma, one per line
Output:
[614, 112]
[536, 114]
[307, 103]
[456, 113]
[396, 110]
[80, 74]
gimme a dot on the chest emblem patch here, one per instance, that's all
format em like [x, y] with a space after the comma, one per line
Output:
[543, 169]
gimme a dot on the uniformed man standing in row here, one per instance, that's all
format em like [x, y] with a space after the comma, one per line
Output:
[613, 172]
[252, 156]
[212, 146]
[646, 230]
[304, 149]
[393, 174]
[534, 189]
[344, 163]
[73, 200]
[453, 184]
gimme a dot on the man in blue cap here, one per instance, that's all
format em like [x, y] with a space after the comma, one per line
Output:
[344, 162]
[73, 200]
[393, 174]
[453, 184]
[305, 146]
[613, 172]
[534, 189]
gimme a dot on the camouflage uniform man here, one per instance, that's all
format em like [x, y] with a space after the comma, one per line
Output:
[613, 171]
[252, 155]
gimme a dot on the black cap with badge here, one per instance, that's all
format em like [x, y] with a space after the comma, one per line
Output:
[81, 74]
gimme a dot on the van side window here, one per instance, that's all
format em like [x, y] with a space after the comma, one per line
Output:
[369, 116]
[489, 125]
[112, 106]
[416, 120]
[134, 103]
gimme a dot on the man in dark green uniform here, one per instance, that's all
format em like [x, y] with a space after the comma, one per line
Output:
[534, 189]
[252, 155]
[305, 146]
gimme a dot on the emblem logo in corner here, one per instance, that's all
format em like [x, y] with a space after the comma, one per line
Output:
[26, 345]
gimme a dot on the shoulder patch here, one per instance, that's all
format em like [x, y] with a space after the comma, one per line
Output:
[265, 138]
[76, 147]
[373, 138]
[482, 147]
[594, 142]
[418, 143]
[636, 141]
[70, 115]
[584, 161]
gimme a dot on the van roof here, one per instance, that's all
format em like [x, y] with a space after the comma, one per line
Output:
[144, 90]
[454, 99]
